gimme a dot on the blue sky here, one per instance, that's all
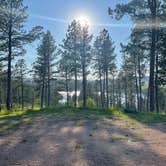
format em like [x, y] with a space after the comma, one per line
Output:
[54, 15]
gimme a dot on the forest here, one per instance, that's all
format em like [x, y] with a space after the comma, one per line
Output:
[82, 88]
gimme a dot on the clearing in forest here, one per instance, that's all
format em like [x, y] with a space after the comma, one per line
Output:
[73, 137]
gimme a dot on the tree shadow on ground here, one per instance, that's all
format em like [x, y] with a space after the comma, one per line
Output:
[76, 140]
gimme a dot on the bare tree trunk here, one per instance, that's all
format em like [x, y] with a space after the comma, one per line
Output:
[107, 92]
[147, 101]
[84, 84]
[151, 79]
[22, 93]
[126, 85]
[8, 100]
[49, 88]
[104, 90]
[67, 87]
[46, 94]
[156, 85]
[136, 84]
[113, 91]
[42, 95]
[140, 84]
[0, 95]
[101, 90]
[119, 93]
[75, 74]
[152, 5]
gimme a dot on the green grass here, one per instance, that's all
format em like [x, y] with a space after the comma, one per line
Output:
[15, 119]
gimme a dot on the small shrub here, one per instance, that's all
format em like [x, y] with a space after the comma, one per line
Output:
[80, 104]
[91, 103]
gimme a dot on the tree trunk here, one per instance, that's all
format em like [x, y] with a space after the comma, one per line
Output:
[140, 84]
[107, 95]
[119, 92]
[84, 84]
[22, 93]
[151, 79]
[8, 100]
[42, 95]
[104, 90]
[75, 97]
[156, 85]
[136, 84]
[101, 90]
[67, 87]
[126, 85]
[113, 91]
[147, 101]
[152, 58]
[49, 88]
[0, 95]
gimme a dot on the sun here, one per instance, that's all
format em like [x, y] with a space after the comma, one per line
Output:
[83, 20]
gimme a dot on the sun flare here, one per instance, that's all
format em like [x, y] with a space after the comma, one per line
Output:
[84, 20]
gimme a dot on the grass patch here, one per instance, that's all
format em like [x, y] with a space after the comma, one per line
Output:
[147, 117]
[14, 119]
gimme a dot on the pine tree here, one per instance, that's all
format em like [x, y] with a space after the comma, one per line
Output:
[105, 62]
[20, 75]
[85, 58]
[13, 36]
[72, 46]
[65, 68]
[44, 67]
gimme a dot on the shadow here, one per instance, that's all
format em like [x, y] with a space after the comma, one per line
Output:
[83, 137]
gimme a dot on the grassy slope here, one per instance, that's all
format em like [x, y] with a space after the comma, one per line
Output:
[15, 119]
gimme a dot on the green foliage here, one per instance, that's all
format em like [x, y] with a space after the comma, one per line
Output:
[71, 103]
[80, 104]
[91, 103]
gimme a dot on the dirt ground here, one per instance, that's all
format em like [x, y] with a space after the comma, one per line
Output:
[105, 141]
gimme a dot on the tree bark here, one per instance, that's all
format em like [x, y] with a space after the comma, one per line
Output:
[42, 95]
[156, 85]
[8, 100]
[136, 84]
[140, 84]
[104, 102]
[49, 89]
[22, 93]
[67, 87]
[152, 5]
[107, 95]
[101, 90]
[84, 84]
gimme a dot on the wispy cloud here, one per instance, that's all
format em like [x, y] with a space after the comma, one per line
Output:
[49, 18]
[64, 21]
[114, 25]
[138, 25]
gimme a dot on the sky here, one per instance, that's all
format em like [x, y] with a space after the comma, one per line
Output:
[55, 15]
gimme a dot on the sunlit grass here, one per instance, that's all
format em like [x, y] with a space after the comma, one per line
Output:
[14, 119]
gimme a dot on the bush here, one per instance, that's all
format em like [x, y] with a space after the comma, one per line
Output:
[80, 104]
[90, 103]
